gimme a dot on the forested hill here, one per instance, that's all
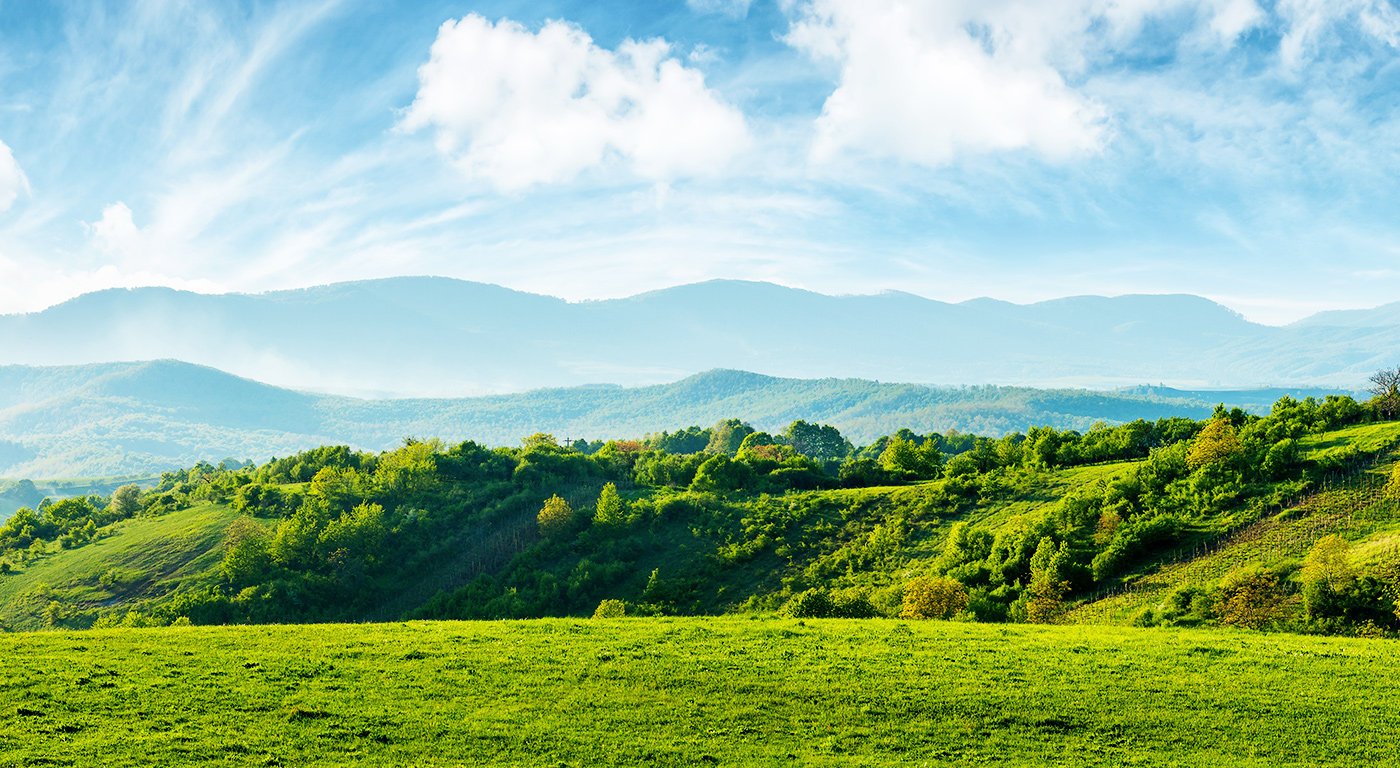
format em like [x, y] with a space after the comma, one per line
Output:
[138, 418]
[1174, 521]
[443, 337]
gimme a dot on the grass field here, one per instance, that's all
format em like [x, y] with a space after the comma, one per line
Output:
[722, 691]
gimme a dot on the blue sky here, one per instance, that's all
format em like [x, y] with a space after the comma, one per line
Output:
[1244, 150]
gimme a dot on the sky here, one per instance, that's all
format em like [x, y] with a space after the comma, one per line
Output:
[1243, 150]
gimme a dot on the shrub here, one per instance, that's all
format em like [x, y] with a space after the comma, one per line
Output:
[812, 604]
[852, 603]
[1132, 540]
[1250, 598]
[610, 609]
[926, 598]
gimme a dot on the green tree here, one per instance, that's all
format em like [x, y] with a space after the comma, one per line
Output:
[1048, 583]
[540, 440]
[821, 443]
[555, 516]
[611, 510]
[1216, 444]
[722, 474]
[727, 436]
[126, 500]
[247, 553]
[1249, 598]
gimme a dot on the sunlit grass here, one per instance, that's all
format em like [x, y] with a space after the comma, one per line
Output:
[694, 692]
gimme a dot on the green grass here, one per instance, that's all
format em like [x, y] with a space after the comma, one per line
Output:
[726, 691]
[1365, 438]
[152, 557]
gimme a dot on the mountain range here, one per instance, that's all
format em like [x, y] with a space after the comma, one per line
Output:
[427, 336]
[106, 419]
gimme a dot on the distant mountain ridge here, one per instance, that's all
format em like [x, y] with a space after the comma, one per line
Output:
[425, 336]
[127, 418]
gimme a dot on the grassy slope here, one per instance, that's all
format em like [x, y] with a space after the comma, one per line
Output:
[153, 557]
[694, 692]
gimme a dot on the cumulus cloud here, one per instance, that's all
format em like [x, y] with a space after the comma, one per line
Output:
[927, 81]
[519, 108]
[12, 178]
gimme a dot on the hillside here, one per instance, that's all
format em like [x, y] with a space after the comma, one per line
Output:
[1174, 521]
[143, 418]
[673, 692]
[440, 337]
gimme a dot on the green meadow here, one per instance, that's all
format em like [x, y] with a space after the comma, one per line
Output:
[695, 691]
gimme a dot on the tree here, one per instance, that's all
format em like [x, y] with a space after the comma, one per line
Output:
[1249, 599]
[1048, 583]
[926, 598]
[54, 613]
[611, 510]
[821, 443]
[126, 500]
[540, 440]
[247, 553]
[26, 493]
[555, 516]
[1218, 442]
[1385, 391]
[727, 436]
[720, 473]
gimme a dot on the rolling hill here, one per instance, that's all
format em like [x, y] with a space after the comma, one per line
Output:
[428, 336]
[139, 418]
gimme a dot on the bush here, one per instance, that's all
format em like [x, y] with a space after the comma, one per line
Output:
[926, 598]
[819, 603]
[812, 604]
[1133, 540]
[610, 609]
[1250, 598]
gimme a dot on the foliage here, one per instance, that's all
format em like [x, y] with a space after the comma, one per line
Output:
[555, 516]
[926, 598]
[610, 609]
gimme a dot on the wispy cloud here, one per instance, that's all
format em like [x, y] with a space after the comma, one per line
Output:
[1011, 148]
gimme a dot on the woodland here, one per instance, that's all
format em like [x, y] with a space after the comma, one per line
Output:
[1032, 527]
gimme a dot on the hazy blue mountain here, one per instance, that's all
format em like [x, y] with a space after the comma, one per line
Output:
[427, 336]
[100, 420]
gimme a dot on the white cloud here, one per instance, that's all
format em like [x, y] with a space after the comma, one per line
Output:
[928, 81]
[116, 232]
[734, 8]
[12, 178]
[518, 108]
